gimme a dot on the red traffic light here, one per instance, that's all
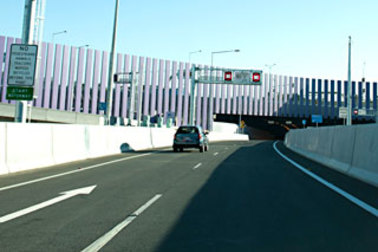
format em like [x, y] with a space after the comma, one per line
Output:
[355, 111]
[256, 77]
[228, 76]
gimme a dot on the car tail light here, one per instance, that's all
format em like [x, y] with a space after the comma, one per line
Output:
[199, 136]
[175, 136]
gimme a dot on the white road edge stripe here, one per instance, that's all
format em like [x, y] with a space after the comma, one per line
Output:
[106, 238]
[343, 193]
[197, 166]
[216, 153]
[71, 172]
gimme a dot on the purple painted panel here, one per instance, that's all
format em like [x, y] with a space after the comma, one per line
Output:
[104, 68]
[326, 108]
[88, 80]
[140, 88]
[353, 94]
[5, 76]
[319, 111]
[271, 94]
[290, 86]
[125, 88]
[280, 98]
[173, 87]
[275, 93]
[301, 97]
[166, 87]
[307, 97]
[228, 98]
[134, 70]
[375, 95]
[95, 85]
[198, 104]
[261, 101]
[218, 88]
[313, 95]
[186, 91]
[250, 99]
[332, 99]
[2, 50]
[63, 81]
[205, 101]
[255, 94]
[245, 99]
[223, 98]
[56, 77]
[47, 87]
[117, 88]
[71, 82]
[360, 94]
[38, 91]
[79, 80]
[234, 98]
[147, 87]
[240, 100]
[160, 87]
[367, 95]
[285, 101]
[295, 110]
[339, 91]
[153, 87]
[180, 94]
[345, 93]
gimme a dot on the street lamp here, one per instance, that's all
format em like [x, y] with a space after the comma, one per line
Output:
[83, 46]
[190, 54]
[210, 107]
[56, 33]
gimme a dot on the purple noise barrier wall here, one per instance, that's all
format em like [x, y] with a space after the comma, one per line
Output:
[75, 79]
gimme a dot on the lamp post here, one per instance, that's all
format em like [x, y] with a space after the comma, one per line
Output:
[83, 46]
[57, 33]
[190, 54]
[210, 107]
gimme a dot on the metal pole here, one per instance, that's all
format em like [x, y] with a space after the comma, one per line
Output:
[210, 107]
[349, 103]
[26, 38]
[192, 95]
[109, 94]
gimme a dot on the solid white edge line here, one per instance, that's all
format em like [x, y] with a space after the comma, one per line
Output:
[343, 193]
[216, 153]
[106, 238]
[71, 172]
[197, 166]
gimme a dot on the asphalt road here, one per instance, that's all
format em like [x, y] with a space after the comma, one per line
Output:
[239, 196]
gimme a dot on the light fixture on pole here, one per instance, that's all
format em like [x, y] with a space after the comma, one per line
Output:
[190, 54]
[83, 46]
[210, 107]
[57, 33]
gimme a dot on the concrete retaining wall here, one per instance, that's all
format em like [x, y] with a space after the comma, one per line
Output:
[351, 150]
[28, 146]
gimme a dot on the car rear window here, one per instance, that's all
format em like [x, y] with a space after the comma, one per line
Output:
[187, 130]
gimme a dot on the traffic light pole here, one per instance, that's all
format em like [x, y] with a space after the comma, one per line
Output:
[349, 103]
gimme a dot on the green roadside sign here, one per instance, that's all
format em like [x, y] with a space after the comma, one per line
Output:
[20, 93]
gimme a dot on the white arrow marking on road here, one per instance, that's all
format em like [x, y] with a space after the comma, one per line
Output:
[65, 196]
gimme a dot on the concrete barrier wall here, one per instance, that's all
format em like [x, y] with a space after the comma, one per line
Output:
[28, 146]
[351, 150]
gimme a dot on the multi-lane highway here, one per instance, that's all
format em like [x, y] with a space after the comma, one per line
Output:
[239, 196]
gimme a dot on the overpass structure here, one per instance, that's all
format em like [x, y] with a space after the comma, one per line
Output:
[74, 79]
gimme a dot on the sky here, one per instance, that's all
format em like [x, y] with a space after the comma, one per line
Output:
[304, 38]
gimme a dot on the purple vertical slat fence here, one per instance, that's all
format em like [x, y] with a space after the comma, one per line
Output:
[166, 87]
[255, 100]
[228, 98]
[345, 93]
[125, 88]
[239, 101]
[353, 94]
[5, 75]
[2, 50]
[198, 102]
[160, 87]
[133, 99]
[205, 101]
[180, 94]
[174, 88]
[339, 94]
[313, 97]
[326, 107]
[367, 95]
[88, 80]
[64, 78]
[319, 91]
[271, 95]
[265, 95]
[233, 97]
[280, 98]
[147, 87]
[47, 85]
[218, 88]
[275, 92]
[79, 80]
[139, 103]
[95, 84]
[285, 101]
[223, 99]
[117, 88]
[56, 75]
[290, 102]
[261, 104]
[104, 67]
[186, 91]
[71, 81]
[332, 99]
[250, 99]
[301, 97]
[153, 88]
[245, 100]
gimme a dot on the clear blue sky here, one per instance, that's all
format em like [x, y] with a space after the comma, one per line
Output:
[303, 37]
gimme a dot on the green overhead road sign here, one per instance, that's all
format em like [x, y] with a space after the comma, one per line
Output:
[19, 93]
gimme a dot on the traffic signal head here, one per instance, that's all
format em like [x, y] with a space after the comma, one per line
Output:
[256, 77]
[228, 76]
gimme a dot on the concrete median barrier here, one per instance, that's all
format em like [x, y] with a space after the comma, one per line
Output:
[351, 150]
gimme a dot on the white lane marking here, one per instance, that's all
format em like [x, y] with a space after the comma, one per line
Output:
[343, 193]
[197, 166]
[216, 153]
[106, 238]
[71, 172]
[65, 196]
